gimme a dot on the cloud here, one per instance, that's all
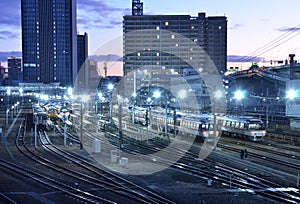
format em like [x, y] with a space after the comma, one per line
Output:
[237, 58]
[99, 14]
[288, 29]
[10, 13]
[236, 26]
[9, 35]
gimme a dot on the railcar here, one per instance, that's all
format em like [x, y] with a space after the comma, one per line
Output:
[246, 127]
[202, 125]
[40, 118]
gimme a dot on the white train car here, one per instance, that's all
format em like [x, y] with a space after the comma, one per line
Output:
[246, 127]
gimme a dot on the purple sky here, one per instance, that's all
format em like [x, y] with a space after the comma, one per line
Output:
[252, 24]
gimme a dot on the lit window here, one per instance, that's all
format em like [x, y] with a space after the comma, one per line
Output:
[157, 54]
[173, 36]
[157, 36]
[220, 27]
[166, 23]
[192, 27]
[157, 27]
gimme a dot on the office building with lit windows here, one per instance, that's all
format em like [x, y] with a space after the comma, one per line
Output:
[49, 41]
[145, 48]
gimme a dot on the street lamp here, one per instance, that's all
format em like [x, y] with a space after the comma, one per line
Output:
[219, 94]
[292, 94]
[6, 117]
[110, 87]
[239, 95]
[35, 121]
[84, 99]
[12, 112]
[182, 94]
[156, 94]
[65, 127]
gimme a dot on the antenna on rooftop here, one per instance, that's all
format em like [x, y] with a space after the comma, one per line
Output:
[137, 8]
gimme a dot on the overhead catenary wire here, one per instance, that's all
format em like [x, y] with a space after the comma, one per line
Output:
[271, 45]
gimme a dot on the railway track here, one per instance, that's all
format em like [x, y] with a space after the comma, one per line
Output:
[50, 181]
[266, 148]
[289, 164]
[109, 181]
[223, 174]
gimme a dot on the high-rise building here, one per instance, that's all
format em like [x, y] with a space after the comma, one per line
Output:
[49, 41]
[156, 47]
[82, 56]
[82, 50]
[15, 72]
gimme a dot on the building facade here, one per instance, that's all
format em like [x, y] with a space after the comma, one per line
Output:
[49, 41]
[15, 72]
[158, 46]
[160, 50]
[82, 56]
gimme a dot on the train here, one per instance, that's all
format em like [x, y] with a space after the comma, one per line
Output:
[247, 127]
[201, 125]
[49, 116]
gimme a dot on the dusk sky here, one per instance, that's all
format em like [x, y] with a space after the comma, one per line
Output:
[251, 24]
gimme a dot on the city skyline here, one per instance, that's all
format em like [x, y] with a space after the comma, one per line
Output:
[251, 24]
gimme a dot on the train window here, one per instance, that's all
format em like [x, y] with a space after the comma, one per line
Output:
[237, 125]
[228, 123]
[242, 125]
[204, 126]
[255, 126]
[233, 124]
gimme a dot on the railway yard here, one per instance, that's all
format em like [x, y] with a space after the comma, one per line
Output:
[47, 171]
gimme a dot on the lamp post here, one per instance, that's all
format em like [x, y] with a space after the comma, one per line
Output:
[12, 112]
[35, 121]
[84, 99]
[6, 117]
[65, 128]
[239, 95]
[110, 88]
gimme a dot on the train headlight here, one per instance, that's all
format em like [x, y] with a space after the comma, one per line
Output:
[205, 133]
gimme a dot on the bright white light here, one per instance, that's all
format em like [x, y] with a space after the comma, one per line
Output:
[148, 99]
[20, 91]
[100, 95]
[156, 94]
[218, 94]
[70, 91]
[239, 95]
[44, 97]
[134, 95]
[110, 86]
[182, 94]
[85, 98]
[8, 92]
[291, 94]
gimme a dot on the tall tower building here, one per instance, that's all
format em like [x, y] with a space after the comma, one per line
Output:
[82, 57]
[49, 41]
[145, 48]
